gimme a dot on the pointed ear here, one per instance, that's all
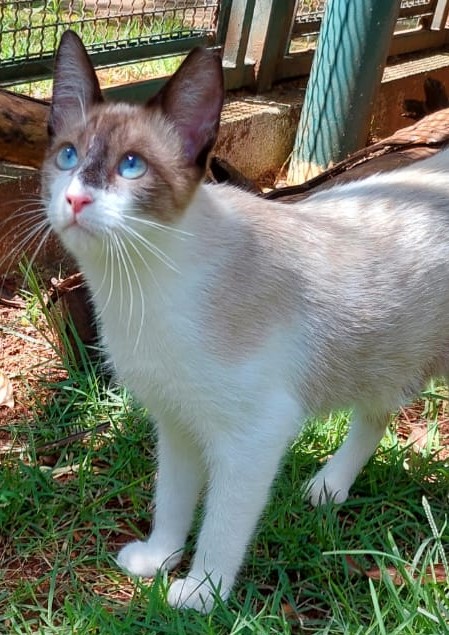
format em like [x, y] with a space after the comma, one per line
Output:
[75, 84]
[193, 99]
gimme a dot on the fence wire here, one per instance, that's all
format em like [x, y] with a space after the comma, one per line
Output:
[32, 29]
[118, 32]
[309, 14]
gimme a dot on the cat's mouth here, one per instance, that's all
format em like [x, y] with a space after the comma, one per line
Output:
[74, 224]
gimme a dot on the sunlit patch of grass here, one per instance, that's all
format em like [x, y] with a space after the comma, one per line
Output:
[30, 30]
[114, 76]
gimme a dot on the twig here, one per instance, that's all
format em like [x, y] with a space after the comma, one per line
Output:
[71, 438]
[65, 441]
[13, 304]
[22, 336]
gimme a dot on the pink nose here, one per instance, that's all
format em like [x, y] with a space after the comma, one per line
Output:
[78, 201]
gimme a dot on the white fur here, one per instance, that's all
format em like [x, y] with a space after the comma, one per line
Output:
[225, 418]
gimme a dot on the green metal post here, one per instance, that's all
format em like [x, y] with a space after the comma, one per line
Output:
[269, 38]
[346, 73]
[237, 31]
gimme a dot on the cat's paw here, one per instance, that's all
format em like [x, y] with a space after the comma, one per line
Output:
[146, 559]
[191, 593]
[323, 488]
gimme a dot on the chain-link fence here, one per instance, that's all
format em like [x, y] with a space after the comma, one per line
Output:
[119, 30]
[415, 15]
[306, 24]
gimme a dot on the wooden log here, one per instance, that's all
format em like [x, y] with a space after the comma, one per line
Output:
[23, 129]
[20, 212]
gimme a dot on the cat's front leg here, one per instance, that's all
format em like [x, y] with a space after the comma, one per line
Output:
[242, 468]
[179, 480]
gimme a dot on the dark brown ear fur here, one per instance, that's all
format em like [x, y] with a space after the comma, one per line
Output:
[75, 84]
[192, 99]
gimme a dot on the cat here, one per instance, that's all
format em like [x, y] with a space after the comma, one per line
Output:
[234, 319]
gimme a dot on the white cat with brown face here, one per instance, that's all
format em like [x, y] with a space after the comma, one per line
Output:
[232, 318]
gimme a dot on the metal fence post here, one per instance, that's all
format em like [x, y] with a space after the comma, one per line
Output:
[235, 41]
[346, 73]
[440, 15]
[269, 38]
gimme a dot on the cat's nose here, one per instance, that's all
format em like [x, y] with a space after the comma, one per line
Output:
[78, 201]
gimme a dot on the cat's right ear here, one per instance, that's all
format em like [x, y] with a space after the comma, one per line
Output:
[75, 84]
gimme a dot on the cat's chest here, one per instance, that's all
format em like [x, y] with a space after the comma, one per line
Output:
[156, 341]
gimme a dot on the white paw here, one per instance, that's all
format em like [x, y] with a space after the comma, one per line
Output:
[146, 558]
[191, 593]
[324, 488]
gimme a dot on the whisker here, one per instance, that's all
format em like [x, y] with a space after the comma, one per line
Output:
[27, 210]
[120, 273]
[125, 259]
[109, 254]
[23, 211]
[36, 251]
[149, 269]
[28, 202]
[28, 220]
[153, 249]
[27, 238]
[36, 206]
[26, 198]
[26, 223]
[142, 298]
[104, 247]
[153, 224]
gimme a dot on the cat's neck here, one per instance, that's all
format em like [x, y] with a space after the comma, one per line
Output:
[164, 253]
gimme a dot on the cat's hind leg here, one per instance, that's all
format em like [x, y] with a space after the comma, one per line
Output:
[179, 481]
[333, 481]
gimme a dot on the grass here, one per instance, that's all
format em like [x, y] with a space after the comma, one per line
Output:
[82, 486]
[115, 76]
[30, 30]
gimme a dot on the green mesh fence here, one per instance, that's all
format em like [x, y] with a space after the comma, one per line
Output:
[414, 15]
[120, 30]
[117, 32]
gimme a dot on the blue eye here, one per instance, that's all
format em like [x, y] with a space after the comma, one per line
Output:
[132, 166]
[67, 157]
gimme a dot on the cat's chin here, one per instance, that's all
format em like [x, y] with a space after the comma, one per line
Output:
[76, 237]
[76, 226]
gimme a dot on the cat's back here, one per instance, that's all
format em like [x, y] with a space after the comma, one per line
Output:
[388, 222]
[359, 258]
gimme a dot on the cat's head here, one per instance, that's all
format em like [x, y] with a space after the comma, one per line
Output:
[108, 163]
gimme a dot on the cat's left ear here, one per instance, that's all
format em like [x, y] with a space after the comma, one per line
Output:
[75, 84]
[193, 99]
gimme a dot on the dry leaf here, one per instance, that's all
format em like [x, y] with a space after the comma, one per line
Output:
[354, 566]
[418, 438]
[436, 572]
[392, 572]
[291, 613]
[6, 392]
